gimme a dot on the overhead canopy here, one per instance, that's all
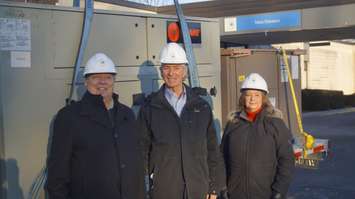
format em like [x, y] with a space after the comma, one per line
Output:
[291, 36]
[311, 24]
[221, 8]
[130, 4]
[152, 3]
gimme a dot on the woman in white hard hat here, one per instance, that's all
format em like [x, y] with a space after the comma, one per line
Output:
[256, 146]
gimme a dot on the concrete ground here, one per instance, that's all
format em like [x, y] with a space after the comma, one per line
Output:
[335, 178]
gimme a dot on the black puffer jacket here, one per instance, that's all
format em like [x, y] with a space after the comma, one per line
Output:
[258, 156]
[91, 159]
[181, 153]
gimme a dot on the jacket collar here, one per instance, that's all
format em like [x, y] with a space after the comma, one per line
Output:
[93, 106]
[261, 114]
[236, 117]
[158, 99]
[97, 100]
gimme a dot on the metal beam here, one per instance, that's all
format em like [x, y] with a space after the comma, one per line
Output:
[221, 8]
[290, 36]
[130, 4]
[317, 24]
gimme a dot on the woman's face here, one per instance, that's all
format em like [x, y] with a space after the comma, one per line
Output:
[253, 100]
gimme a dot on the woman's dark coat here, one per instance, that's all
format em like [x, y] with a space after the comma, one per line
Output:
[258, 156]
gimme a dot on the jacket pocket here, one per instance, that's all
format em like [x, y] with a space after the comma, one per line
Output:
[78, 187]
[233, 183]
[262, 180]
[204, 170]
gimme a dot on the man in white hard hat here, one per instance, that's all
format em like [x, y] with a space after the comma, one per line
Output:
[179, 139]
[94, 152]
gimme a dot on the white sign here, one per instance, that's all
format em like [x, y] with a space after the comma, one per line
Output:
[20, 59]
[15, 34]
[273, 101]
[283, 70]
[294, 67]
[230, 24]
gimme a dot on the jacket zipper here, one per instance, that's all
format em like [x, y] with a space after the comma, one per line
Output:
[181, 150]
[181, 145]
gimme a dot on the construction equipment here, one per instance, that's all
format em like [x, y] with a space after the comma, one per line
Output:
[131, 39]
[311, 151]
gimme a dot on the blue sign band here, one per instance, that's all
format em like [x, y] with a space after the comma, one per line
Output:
[276, 20]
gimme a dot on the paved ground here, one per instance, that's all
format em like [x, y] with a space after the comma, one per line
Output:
[335, 179]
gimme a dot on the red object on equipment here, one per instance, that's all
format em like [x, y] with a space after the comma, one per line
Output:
[173, 32]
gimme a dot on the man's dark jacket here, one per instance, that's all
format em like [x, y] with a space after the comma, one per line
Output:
[258, 155]
[90, 158]
[182, 156]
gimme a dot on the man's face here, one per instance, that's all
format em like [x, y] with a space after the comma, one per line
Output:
[173, 74]
[100, 84]
[253, 100]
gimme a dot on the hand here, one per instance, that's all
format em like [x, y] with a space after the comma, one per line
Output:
[276, 196]
[211, 196]
[223, 194]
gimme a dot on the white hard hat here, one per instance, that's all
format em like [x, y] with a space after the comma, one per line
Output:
[254, 81]
[173, 53]
[99, 63]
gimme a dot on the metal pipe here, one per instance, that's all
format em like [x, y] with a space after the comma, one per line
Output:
[88, 15]
[193, 73]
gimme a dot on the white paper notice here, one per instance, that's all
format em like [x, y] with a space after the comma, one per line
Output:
[230, 24]
[283, 70]
[273, 101]
[15, 34]
[20, 59]
[294, 67]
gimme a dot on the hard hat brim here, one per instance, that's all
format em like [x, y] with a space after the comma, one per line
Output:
[88, 74]
[257, 89]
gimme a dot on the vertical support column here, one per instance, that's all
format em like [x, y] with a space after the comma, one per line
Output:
[306, 63]
[2, 143]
